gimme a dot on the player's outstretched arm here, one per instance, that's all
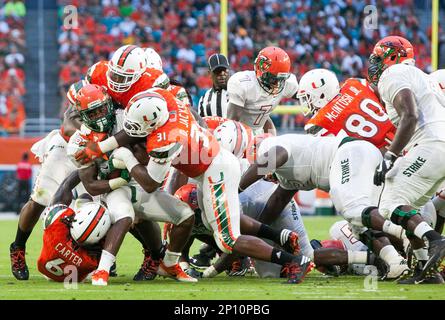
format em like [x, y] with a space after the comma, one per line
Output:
[97, 187]
[64, 193]
[95, 150]
[406, 107]
[276, 204]
[269, 127]
[267, 162]
[234, 111]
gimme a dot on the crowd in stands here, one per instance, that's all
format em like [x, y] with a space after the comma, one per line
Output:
[316, 34]
[12, 76]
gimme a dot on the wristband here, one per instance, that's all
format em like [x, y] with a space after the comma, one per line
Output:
[108, 144]
[117, 183]
[130, 162]
[392, 154]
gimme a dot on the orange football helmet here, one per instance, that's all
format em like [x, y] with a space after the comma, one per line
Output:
[387, 52]
[272, 67]
[95, 108]
[188, 194]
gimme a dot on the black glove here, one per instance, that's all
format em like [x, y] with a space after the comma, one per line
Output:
[387, 163]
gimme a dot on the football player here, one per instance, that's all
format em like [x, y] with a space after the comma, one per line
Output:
[342, 167]
[71, 236]
[55, 166]
[253, 95]
[412, 168]
[175, 139]
[439, 76]
[354, 108]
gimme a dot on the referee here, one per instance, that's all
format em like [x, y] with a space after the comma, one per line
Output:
[214, 102]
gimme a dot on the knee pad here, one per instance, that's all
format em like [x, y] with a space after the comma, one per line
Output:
[401, 217]
[366, 216]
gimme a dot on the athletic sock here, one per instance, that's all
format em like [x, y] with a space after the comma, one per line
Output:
[281, 257]
[393, 229]
[171, 258]
[390, 255]
[269, 233]
[359, 257]
[21, 237]
[106, 261]
[425, 232]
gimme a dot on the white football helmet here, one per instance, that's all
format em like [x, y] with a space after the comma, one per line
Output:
[126, 66]
[317, 88]
[91, 223]
[154, 60]
[439, 76]
[232, 136]
[145, 112]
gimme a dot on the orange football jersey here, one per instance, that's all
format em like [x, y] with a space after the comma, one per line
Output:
[214, 122]
[199, 146]
[358, 112]
[60, 251]
[97, 74]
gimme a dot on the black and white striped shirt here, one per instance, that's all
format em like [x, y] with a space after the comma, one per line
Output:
[214, 103]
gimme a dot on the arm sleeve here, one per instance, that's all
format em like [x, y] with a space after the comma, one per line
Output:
[236, 92]
[393, 80]
[291, 87]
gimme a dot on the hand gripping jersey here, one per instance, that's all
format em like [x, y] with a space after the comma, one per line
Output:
[59, 249]
[199, 146]
[358, 112]
[97, 75]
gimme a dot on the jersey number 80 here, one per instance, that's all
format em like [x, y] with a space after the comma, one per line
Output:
[358, 124]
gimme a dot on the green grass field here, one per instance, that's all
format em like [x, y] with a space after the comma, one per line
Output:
[315, 286]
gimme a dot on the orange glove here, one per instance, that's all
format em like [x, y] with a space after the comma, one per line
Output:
[91, 152]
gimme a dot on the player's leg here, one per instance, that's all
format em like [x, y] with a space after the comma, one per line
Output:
[409, 185]
[54, 169]
[122, 216]
[219, 186]
[352, 191]
[148, 233]
[163, 207]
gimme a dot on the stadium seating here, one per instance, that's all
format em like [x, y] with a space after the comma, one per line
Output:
[316, 34]
[12, 76]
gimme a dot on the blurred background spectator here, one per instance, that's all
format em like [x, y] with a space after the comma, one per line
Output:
[24, 175]
[316, 34]
[12, 59]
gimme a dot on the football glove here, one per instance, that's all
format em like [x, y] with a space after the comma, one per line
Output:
[387, 163]
[89, 153]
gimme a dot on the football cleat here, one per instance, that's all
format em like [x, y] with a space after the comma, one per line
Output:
[175, 272]
[18, 262]
[414, 278]
[291, 245]
[298, 268]
[148, 270]
[436, 252]
[100, 278]
[239, 267]
[200, 261]
[113, 270]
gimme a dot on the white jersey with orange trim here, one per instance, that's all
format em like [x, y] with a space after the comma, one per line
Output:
[245, 91]
[430, 101]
